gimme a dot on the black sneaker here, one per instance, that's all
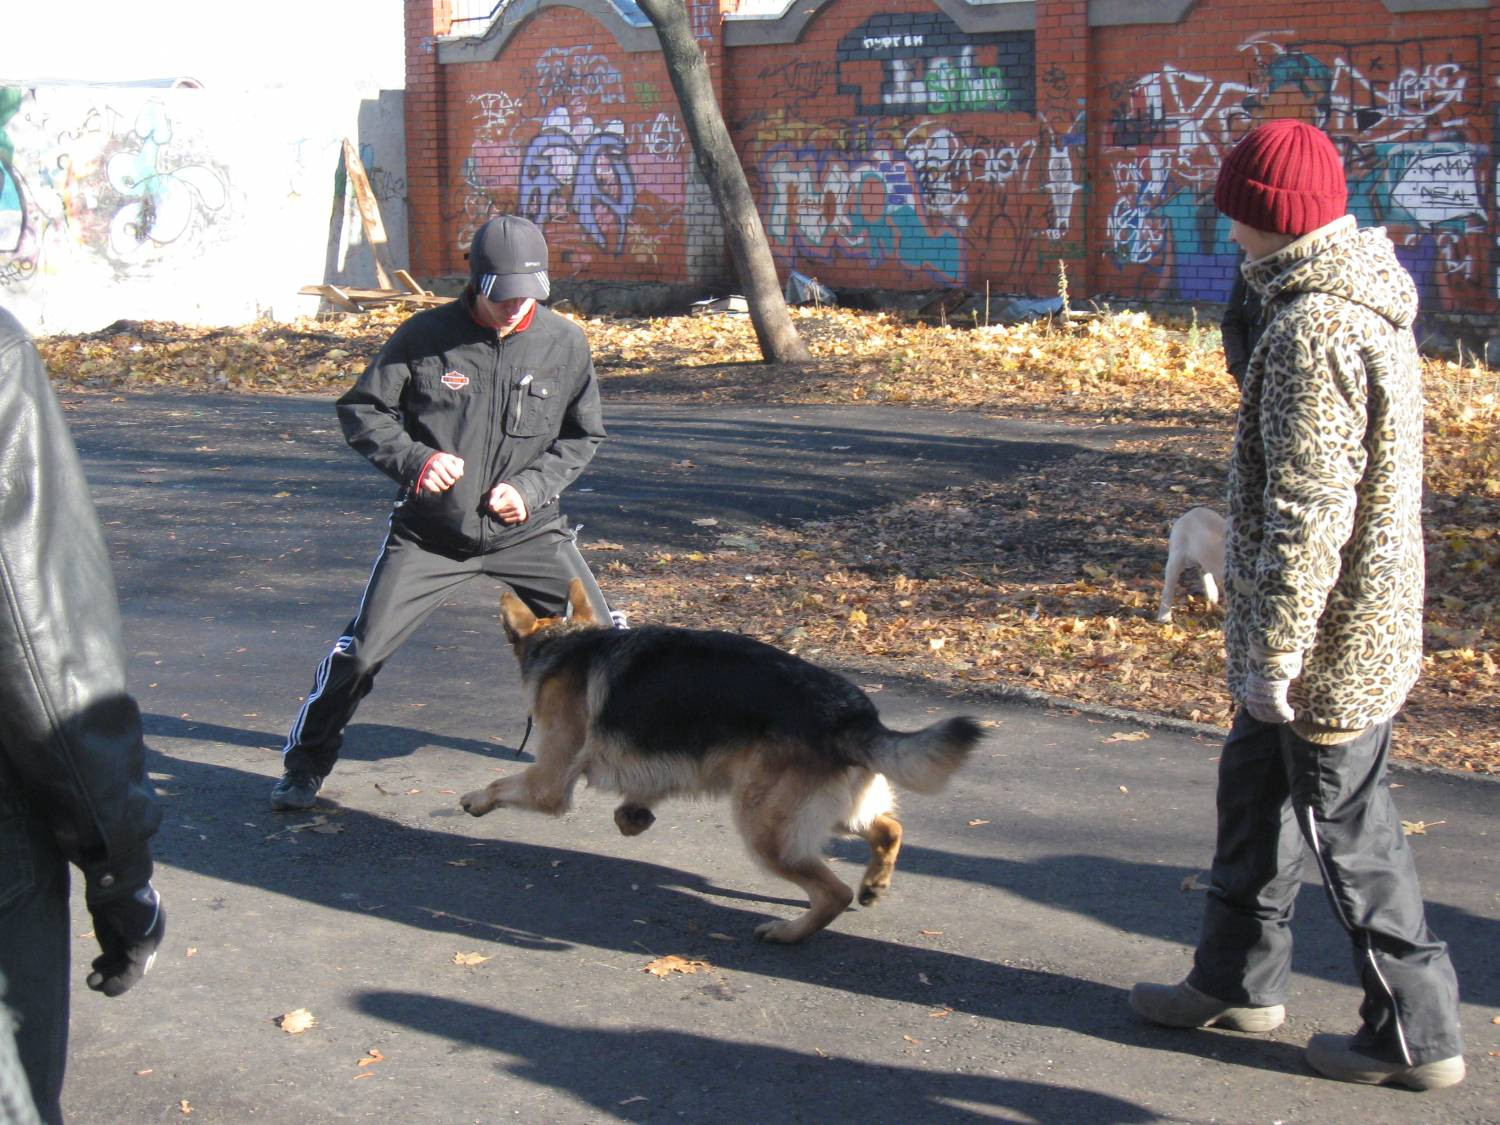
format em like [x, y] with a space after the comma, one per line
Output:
[297, 789]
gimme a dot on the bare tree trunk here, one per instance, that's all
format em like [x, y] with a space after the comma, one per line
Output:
[779, 340]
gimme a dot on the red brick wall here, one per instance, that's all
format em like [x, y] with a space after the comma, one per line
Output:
[577, 134]
[425, 162]
[1402, 96]
[884, 150]
[888, 148]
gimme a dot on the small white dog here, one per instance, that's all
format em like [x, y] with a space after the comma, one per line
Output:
[1198, 539]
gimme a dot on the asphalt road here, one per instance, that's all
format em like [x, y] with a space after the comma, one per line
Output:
[990, 984]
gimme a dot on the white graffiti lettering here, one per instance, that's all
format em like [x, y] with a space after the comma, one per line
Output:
[566, 74]
[493, 112]
[888, 42]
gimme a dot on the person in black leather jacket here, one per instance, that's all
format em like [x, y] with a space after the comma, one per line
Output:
[1240, 327]
[72, 761]
[483, 411]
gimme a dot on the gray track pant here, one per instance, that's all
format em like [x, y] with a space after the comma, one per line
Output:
[407, 584]
[1277, 793]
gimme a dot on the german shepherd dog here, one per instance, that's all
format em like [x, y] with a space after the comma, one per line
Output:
[658, 712]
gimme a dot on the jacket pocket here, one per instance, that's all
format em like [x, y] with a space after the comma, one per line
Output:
[535, 405]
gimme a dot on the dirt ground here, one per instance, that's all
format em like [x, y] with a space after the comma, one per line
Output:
[1047, 582]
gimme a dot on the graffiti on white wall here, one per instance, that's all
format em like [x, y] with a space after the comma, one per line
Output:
[166, 200]
[121, 185]
[173, 204]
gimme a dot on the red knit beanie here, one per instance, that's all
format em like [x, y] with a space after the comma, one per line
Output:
[1284, 177]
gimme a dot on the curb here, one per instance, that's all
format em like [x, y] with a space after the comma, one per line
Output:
[1004, 693]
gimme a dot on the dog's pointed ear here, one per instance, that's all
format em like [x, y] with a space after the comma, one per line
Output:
[519, 621]
[581, 612]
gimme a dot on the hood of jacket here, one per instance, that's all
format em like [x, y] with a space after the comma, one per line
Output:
[1343, 261]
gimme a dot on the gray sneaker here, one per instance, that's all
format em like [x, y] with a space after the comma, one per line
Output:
[1182, 1005]
[1335, 1056]
[297, 789]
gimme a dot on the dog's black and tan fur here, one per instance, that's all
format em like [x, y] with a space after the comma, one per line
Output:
[657, 712]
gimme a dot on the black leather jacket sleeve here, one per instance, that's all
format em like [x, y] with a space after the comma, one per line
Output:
[70, 735]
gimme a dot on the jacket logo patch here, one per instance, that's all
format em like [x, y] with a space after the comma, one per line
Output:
[455, 380]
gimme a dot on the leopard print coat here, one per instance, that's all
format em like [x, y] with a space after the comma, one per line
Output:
[1325, 558]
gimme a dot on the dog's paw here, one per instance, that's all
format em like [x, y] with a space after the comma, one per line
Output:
[781, 932]
[632, 820]
[869, 895]
[476, 803]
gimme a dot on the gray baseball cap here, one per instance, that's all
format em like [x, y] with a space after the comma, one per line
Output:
[509, 259]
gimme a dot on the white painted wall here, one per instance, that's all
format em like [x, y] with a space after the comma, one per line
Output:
[258, 45]
[209, 206]
[186, 205]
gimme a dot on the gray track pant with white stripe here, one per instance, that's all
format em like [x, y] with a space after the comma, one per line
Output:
[1280, 797]
[406, 585]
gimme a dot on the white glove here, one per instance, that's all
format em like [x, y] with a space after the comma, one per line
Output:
[1266, 699]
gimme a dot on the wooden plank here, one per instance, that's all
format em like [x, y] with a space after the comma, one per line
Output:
[369, 214]
[333, 295]
[409, 283]
[357, 300]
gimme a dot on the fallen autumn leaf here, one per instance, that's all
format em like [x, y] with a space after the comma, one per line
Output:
[296, 1022]
[1419, 827]
[671, 963]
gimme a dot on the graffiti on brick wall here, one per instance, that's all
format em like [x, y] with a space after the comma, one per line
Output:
[917, 194]
[568, 74]
[936, 167]
[920, 62]
[594, 158]
[1405, 115]
[823, 204]
[1495, 201]
[121, 187]
[580, 173]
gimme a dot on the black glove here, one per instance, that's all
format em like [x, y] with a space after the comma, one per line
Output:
[129, 929]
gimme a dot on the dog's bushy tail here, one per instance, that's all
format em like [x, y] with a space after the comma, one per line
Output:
[923, 760]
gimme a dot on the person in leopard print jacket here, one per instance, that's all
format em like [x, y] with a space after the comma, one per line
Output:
[1323, 630]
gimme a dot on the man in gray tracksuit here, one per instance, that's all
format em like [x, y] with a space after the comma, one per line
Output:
[483, 410]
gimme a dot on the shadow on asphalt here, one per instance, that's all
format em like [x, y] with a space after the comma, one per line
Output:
[1129, 896]
[1122, 894]
[711, 1075]
[228, 467]
[363, 742]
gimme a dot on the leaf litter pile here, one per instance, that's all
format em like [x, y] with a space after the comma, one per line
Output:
[1045, 583]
